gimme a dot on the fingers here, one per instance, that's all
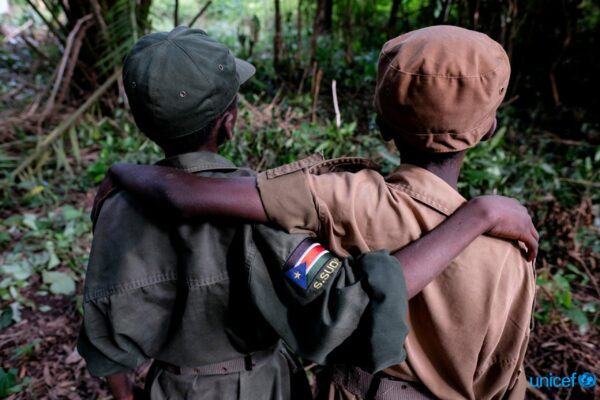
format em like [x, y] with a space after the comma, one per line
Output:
[535, 233]
[531, 241]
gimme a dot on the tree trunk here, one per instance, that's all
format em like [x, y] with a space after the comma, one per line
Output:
[176, 14]
[299, 31]
[277, 39]
[393, 19]
[322, 24]
[323, 17]
[348, 32]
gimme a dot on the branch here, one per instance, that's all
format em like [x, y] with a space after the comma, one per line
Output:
[63, 65]
[66, 124]
[313, 112]
[200, 13]
[13, 34]
[580, 182]
[57, 33]
[338, 118]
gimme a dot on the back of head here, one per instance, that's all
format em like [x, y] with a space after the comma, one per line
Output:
[179, 82]
[438, 88]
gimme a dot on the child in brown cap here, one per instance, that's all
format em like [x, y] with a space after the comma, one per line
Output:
[437, 93]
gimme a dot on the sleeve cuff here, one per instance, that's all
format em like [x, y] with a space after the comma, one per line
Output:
[97, 363]
[288, 201]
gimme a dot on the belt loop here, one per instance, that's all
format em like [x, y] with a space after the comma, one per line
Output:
[248, 362]
[373, 387]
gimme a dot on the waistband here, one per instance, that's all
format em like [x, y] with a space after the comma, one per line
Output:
[378, 386]
[246, 363]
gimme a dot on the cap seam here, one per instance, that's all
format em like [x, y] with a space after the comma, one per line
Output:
[205, 77]
[443, 76]
[469, 132]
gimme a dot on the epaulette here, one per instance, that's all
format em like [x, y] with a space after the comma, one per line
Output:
[317, 165]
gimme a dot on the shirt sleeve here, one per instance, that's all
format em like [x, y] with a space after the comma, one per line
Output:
[127, 294]
[337, 206]
[105, 351]
[505, 344]
[330, 310]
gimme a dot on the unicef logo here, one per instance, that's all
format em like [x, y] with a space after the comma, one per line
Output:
[587, 380]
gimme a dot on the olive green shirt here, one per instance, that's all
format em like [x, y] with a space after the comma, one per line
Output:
[197, 293]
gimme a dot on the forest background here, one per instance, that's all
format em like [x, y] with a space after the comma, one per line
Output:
[64, 121]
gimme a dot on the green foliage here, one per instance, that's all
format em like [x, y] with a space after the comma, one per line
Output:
[278, 141]
[26, 351]
[51, 248]
[59, 282]
[8, 382]
[125, 21]
[559, 298]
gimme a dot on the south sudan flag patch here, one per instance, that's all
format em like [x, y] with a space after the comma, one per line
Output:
[311, 265]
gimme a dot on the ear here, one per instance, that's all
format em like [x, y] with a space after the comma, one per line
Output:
[383, 129]
[228, 125]
[491, 131]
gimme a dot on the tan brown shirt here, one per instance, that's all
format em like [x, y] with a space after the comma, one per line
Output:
[470, 326]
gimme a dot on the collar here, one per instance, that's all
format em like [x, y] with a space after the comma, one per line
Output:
[426, 188]
[198, 161]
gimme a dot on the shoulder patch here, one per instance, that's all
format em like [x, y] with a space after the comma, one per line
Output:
[311, 265]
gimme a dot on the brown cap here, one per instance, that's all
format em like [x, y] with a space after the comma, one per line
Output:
[438, 88]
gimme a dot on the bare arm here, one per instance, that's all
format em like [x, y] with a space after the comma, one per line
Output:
[120, 386]
[191, 196]
[486, 214]
[194, 196]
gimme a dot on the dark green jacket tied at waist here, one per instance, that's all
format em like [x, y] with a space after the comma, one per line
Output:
[203, 297]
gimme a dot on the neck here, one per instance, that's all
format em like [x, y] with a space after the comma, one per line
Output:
[448, 173]
[208, 147]
[446, 167]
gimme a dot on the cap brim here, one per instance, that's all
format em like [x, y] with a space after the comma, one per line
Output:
[244, 69]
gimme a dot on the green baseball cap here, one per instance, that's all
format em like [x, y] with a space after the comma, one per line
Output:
[178, 82]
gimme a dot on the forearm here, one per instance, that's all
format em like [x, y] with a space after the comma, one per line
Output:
[120, 386]
[189, 195]
[235, 198]
[424, 259]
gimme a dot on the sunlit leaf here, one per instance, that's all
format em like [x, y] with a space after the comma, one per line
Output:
[20, 271]
[29, 220]
[70, 213]
[60, 283]
[16, 311]
[578, 317]
[53, 260]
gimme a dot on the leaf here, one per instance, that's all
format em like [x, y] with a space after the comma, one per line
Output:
[547, 168]
[60, 283]
[15, 308]
[6, 319]
[69, 212]
[53, 259]
[18, 271]
[29, 221]
[73, 358]
[4, 238]
[578, 316]
[389, 157]
[26, 350]
[8, 379]
[36, 190]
